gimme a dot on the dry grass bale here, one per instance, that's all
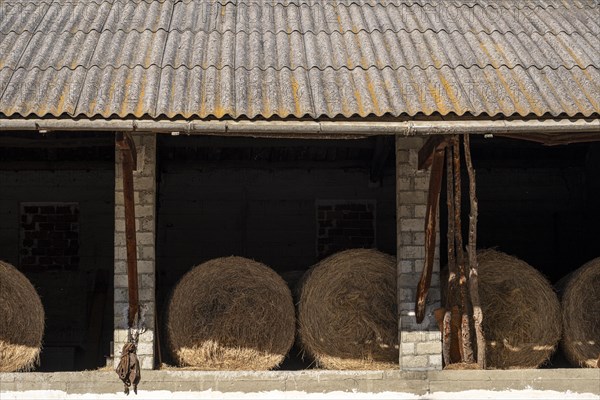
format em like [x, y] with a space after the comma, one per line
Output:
[230, 313]
[347, 312]
[21, 321]
[581, 316]
[521, 312]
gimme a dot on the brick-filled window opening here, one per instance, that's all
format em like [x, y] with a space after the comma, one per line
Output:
[345, 225]
[49, 236]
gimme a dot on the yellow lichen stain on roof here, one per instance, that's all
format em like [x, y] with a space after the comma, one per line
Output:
[373, 95]
[125, 98]
[450, 92]
[296, 95]
[571, 52]
[339, 19]
[139, 108]
[359, 103]
[526, 92]
[202, 111]
[508, 91]
[436, 61]
[594, 100]
[266, 106]
[437, 98]
[111, 97]
[61, 103]
[219, 111]
[500, 51]
[148, 56]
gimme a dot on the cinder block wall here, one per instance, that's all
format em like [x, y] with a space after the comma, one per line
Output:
[420, 344]
[144, 181]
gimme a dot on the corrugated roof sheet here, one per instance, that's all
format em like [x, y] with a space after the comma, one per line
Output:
[293, 58]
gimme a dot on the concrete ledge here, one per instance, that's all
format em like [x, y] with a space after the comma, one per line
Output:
[584, 380]
[311, 381]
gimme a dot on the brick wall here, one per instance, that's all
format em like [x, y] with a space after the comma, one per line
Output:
[345, 225]
[420, 344]
[49, 236]
[144, 182]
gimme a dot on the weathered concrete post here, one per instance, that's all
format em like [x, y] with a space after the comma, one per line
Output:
[144, 182]
[420, 344]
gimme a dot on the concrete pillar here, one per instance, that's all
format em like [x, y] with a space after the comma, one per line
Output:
[144, 181]
[420, 344]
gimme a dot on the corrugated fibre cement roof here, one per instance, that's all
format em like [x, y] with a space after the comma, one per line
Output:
[299, 58]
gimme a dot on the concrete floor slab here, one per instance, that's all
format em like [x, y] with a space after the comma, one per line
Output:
[313, 381]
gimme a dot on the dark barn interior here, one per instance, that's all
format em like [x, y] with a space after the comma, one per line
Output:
[285, 203]
[538, 203]
[57, 226]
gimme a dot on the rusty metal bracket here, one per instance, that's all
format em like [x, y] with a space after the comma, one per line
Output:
[128, 154]
[125, 143]
[472, 254]
[427, 152]
[435, 185]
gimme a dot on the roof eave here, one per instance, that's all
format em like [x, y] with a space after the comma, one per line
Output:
[316, 129]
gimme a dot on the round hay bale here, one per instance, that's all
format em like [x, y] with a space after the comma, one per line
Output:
[347, 312]
[521, 312]
[581, 318]
[21, 321]
[230, 313]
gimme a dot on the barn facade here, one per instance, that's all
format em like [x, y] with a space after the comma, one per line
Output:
[258, 125]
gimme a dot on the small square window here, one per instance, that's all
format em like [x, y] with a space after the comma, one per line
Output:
[49, 236]
[345, 225]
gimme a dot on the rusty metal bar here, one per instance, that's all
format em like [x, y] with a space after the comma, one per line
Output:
[451, 299]
[129, 163]
[467, 344]
[435, 184]
[472, 253]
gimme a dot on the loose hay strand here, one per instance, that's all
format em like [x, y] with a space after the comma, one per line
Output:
[230, 313]
[21, 321]
[581, 316]
[347, 312]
